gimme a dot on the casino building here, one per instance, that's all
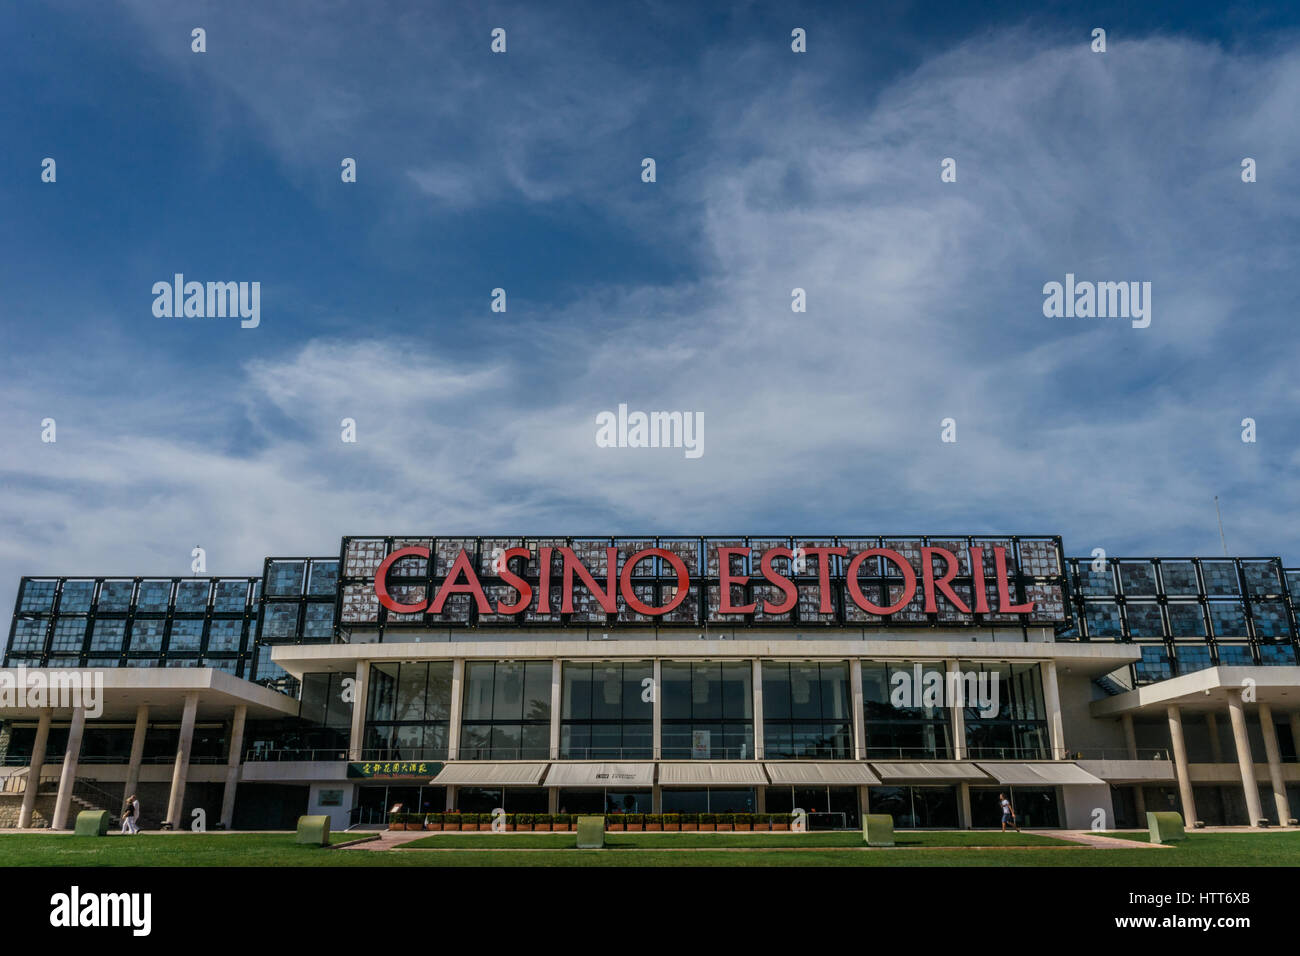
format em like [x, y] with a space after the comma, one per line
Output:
[913, 675]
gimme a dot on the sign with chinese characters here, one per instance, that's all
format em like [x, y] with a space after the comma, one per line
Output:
[394, 770]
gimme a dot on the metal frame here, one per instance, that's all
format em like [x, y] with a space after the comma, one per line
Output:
[704, 581]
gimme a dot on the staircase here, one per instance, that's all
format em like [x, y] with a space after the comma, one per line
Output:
[1110, 685]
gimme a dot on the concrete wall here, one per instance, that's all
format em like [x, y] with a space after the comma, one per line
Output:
[338, 815]
[1082, 730]
[1081, 801]
[11, 803]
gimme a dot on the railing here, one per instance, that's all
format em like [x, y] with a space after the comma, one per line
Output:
[1120, 753]
[331, 754]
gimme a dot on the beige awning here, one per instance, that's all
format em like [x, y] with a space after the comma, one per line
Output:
[707, 773]
[923, 772]
[1031, 774]
[812, 772]
[482, 774]
[601, 775]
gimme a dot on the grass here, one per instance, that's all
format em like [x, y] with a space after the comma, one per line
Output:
[257, 849]
[714, 840]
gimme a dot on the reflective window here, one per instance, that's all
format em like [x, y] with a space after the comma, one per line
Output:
[707, 710]
[507, 710]
[107, 635]
[192, 596]
[147, 634]
[318, 624]
[1235, 655]
[1186, 620]
[38, 596]
[807, 710]
[1193, 658]
[29, 635]
[324, 577]
[1005, 714]
[225, 635]
[1228, 619]
[1155, 665]
[154, 596]
[76, 597]
[605, 713]
[1179, 577]
[280, 621]
[905, 708]
[284, 578]
[230, 596]
[1270, 619]
[187, 635]
[1277, 654]
[1144, 619]
[1103, 620]
[69, 632]
[116, 595]
[1138, 577]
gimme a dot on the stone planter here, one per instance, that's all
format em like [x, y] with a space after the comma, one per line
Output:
[523, 826]
[780, 826]
[543, 827]
[637, 827]
[763, 826]
[708, 827]
[616, 827]
[451, 826]
[654, 827]
[744, 826]
[690, 826]
[433, 826]
[725, 827]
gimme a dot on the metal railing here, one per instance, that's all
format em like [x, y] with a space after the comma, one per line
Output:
[331, 754]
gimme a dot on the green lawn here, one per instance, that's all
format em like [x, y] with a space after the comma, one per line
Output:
[714, 841]
[210, 849]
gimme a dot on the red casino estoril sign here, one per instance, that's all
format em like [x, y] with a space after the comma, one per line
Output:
[934, 580]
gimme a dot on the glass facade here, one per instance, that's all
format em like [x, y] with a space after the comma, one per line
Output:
[607, 710]
[807, 710]
[902, 719]
[506, 714]
[408, 711]
[707, 710]
[1013, 725]
[1188, 613]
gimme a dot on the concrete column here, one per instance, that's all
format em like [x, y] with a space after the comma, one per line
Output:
[1052, 700]
[760, 747]
[1246, 763]
[1274, 756]
[963, 806]
[1216, 746]
[1130, 739]
[137, 751]
[656, 714]
[451, 798]
[1179, 748]
[453, 724]
[360, 701]
[34, 768]
[68, 776]
[760, 799]
[859, 710]
[232, 766]
[556, 701]
[552, 800]
[956, 709]
[656, 799]
[863, 801]
[181, 769]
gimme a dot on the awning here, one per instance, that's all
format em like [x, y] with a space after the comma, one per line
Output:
[601, 775]
[706, 773]
[1031, 774]
[922, 772]
[810, 772]
[479, 774]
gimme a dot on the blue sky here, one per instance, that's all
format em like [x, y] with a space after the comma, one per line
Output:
[522, 171]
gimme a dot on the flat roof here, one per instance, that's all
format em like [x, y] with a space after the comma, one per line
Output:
[1206, 690]
[163, 689]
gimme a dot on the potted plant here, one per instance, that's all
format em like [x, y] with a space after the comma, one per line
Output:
[762, 821]
[395, 822]
[469, 821]
[433, 821]
[780, 821]
[708, 822]
[690, 821]
[654, 822]
[451, 820]
[543, 822]
[561, 822]
[524, 821]
[743, 821]
[635, 821]
[614, 821]
[726, 821]
[673, 822]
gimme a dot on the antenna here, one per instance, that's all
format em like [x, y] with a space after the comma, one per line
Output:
[1220, 517]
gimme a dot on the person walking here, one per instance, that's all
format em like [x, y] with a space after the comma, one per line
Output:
[1008, 813]
[131, 815]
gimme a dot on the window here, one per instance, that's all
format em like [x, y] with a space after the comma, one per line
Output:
[408, 711]
[76, 597]
[902, 726]
[806, 710]
[280, 622]
[147, 635]
[69, 632]
[230, 596]
[115, 595]
[1017, 729]
[603, 715]
[107, 635]
[318, 626]
[284, 578]
[507, 710]
[29, 634]
[324, 577]
[707, 710]
[192, 595]
[225, 635]
[154, 596]
[187, 635]
[38, 596]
